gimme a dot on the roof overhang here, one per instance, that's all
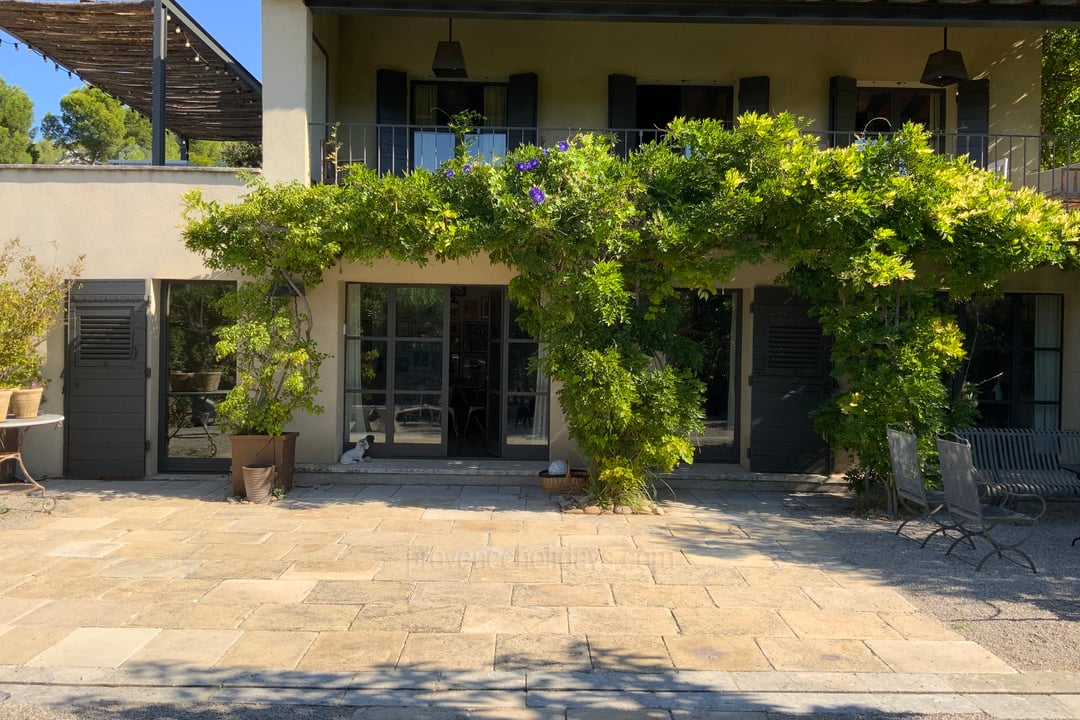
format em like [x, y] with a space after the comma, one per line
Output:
[209, 95]
[1043, 13]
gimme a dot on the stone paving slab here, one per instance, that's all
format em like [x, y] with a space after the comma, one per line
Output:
[480, 601]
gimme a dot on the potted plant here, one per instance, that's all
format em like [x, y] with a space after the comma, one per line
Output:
[277, 373]
[267, 327]
[33, 298]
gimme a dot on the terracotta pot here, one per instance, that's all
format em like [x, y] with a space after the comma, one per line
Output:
[258, 482]
[276, 450]
[5, 402]
[25, 402]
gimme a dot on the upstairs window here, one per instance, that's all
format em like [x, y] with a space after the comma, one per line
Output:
[899, 105]
[1015, 361]
[434, 105]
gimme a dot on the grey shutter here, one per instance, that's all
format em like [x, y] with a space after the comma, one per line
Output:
[105, 380]
[973, 119]
[843, 106]
[391, 114]
[791, 379]
[622, 111]
[521, 110]
[754, 95]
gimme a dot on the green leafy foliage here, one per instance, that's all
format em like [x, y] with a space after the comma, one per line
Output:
[16, 119]
[881, 231]
[94, 127]
[33, 297]
[277, 362]
[91, 128]
[870, 234]
[1060, 91]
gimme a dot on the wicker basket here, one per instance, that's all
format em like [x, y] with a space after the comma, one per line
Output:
[574, 482]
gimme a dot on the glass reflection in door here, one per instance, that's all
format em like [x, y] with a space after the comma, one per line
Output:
[197, 380]
[713, 323]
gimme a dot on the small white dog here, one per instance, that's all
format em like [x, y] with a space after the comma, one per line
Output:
[360, 452]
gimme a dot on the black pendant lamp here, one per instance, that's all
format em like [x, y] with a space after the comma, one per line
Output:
[944, 67]
[449, 61]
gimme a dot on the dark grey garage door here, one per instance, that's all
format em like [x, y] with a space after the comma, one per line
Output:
[105, 380]
[790, 379]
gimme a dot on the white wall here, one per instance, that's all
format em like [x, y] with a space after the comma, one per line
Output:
[126, 221]
[573, 61]
[287, 89]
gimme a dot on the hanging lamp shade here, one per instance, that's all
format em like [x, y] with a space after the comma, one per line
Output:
[449, 61]
[944, 67]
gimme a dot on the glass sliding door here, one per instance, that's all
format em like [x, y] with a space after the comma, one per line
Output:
[441, 372]
[197, 380]
[471, 370]
[395, 369]
[493, 395]
[367, 357]
[419, 387]
[525, 415]
[1014, 367]
[713, 323]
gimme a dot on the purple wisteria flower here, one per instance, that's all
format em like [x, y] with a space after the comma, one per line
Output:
[563, 146]
[532, 164]
[466, 170]
[537, 195]
[546, 153]
[522, 167]
[449, 173]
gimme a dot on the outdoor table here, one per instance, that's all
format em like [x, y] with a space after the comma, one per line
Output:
[202, 401]
[22, 426]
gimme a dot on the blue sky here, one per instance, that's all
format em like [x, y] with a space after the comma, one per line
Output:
[234, 24]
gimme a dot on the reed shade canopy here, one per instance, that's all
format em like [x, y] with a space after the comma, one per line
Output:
[208, 94]
[944, 67]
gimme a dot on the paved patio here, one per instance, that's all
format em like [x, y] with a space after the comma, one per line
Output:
[476, 599]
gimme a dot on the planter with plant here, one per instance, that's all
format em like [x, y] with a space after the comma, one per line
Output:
[277, 372]
[33, 298]
[267, 327]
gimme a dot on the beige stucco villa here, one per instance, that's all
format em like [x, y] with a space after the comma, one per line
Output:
[454, 382]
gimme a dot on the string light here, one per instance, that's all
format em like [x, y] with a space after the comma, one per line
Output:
[57, 67]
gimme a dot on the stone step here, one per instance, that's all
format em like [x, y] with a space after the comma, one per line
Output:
[700, 476]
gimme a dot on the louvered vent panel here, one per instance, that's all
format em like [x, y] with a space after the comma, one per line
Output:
[105, 337]
[794, 348]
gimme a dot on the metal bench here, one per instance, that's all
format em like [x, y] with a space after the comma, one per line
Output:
[1022, 461]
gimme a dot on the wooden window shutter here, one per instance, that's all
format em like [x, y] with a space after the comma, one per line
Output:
[104, 336]
[843, 106]
[622, 110]
[521, 109]
[973, 118]
[391, 114]
[754, 95]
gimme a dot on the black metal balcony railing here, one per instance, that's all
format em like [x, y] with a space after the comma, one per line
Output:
[1048, 164]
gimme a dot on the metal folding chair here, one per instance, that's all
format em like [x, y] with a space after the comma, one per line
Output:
[973, 517]
[912, 494]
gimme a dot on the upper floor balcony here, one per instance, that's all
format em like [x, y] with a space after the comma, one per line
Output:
[1048, 164]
